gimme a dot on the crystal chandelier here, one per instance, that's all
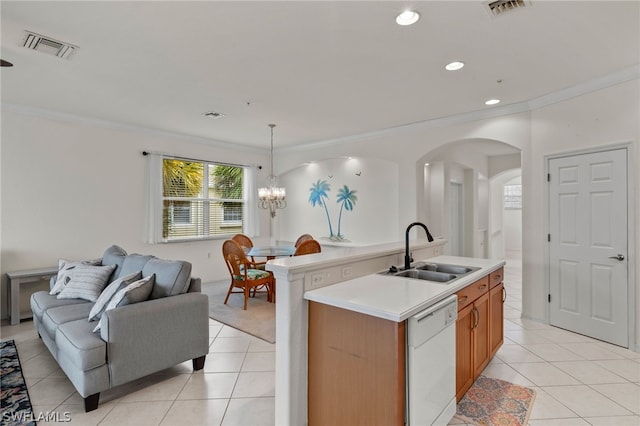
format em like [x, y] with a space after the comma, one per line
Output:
[272, 197]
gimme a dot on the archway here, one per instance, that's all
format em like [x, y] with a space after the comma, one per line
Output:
[466, 166]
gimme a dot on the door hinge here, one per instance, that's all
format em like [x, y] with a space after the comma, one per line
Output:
[549, 297]
[548, 177]
[549, 237]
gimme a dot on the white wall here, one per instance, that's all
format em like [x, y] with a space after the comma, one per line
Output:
[71, 189]
[608, 116]
[374, 217]
[497, 233]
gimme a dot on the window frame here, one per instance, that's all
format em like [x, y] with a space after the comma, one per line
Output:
[205, 210]
[512, 196]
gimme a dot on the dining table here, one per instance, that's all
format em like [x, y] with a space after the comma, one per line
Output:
[271, 252]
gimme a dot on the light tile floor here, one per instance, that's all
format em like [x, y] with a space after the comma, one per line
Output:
[578, 380]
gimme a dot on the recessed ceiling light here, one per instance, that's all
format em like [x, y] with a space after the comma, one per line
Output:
[408, 17]
[454, 66]
[492, 102]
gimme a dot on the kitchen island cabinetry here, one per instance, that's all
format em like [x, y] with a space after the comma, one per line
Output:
[479, 328]
[356, 368]
[472, 334]
[496, 310]
[357, 341]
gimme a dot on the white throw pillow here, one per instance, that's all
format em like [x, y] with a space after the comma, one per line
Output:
[87, 282]
[135, 292]
[109, 292]
[65, 268]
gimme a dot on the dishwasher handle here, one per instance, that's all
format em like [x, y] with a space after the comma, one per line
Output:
[429, 312]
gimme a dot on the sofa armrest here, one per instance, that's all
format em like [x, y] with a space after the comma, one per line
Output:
[150, 336]
[195, 285]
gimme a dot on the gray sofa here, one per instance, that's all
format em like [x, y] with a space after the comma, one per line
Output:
[134, 340]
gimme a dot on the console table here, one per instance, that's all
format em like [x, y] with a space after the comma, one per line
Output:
[17, 278]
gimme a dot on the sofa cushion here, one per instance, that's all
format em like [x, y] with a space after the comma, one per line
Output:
[41, 301]
[134, 262]
[85, 349]
[54, 317]
[135, 292]
[110, 291]
[87, 282]
[114, 255]
[65, 269]
[172, 276]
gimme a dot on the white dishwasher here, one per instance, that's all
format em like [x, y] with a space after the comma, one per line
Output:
[431, 364]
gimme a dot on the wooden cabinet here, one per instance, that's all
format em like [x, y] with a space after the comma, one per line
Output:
[356, 368]
[472, 334]
[496, 310]
[464, 350]
[481, 351]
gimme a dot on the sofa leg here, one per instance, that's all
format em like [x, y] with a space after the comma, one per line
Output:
[91, 402]
[198, 363]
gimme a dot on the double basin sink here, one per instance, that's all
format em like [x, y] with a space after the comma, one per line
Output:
[435, 272]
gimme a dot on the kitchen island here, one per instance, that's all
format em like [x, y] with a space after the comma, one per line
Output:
[300, 274]
[360, 334]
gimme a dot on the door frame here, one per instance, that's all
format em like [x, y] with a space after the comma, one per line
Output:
[631, 229]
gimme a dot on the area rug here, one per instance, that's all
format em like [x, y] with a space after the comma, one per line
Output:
[15, 402]
[259, 319]
[496, 402]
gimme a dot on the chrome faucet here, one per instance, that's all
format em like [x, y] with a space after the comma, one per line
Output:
[407, 256]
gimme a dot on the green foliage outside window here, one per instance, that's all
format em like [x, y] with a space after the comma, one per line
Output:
[200, 199]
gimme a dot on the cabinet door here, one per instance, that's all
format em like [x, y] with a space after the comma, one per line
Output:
[356, 368]
[464, 351]
[496, 322]
[481, 351]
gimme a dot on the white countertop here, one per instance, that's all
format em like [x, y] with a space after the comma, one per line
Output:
[397, 298]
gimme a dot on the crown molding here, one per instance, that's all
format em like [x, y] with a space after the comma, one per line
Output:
[622, 76]
[72, 118]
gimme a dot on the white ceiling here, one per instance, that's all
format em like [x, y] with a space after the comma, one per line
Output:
[319, 70]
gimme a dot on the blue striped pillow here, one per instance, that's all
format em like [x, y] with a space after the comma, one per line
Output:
[87, 282]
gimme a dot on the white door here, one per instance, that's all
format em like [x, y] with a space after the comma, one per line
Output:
[588, 245]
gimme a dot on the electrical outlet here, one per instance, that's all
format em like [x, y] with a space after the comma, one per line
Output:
[317, 279]
[346, 272]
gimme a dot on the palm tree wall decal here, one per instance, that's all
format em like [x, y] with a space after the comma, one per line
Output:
[318, 195]
[348, 199]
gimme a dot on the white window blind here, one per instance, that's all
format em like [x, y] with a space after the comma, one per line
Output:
[198, 200]
[513, 197]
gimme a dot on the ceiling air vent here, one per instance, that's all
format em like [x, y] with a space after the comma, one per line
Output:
[499, 7]
[48, 45]
[214, 115]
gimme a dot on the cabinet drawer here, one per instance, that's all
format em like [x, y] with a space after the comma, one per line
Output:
[496, 277]
[470, 293]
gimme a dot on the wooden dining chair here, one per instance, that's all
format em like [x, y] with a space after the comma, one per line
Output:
[302, 238]
[308, 247]
[243, 275]
[246, 243]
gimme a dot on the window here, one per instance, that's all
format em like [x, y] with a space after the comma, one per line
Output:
[513, 197]
[201, 199]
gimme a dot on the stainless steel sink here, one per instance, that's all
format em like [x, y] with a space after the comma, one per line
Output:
[435, 272]
[426, 275]
[448, 269]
